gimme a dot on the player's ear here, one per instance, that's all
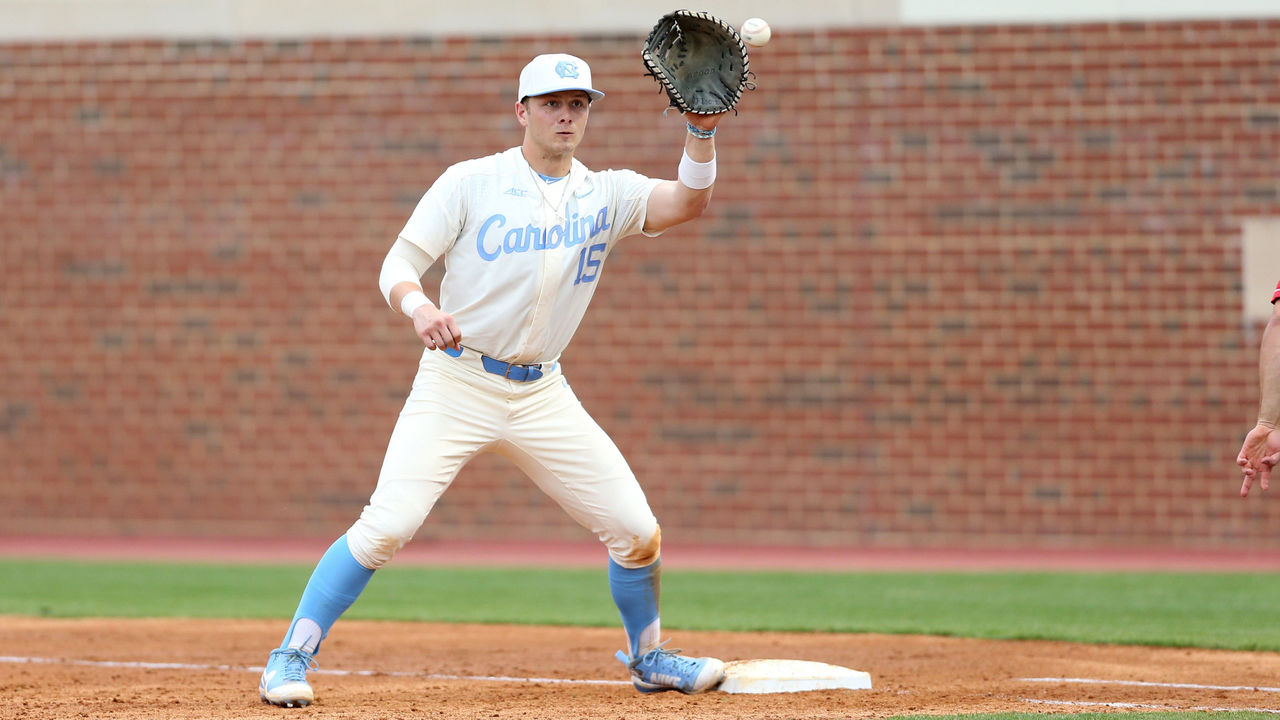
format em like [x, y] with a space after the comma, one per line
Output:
[522, 112]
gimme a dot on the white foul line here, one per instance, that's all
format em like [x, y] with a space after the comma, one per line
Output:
[237, 668]
[572, 681]
[1139, 683]
[1144, 706]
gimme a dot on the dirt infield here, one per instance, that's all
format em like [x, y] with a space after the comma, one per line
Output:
[155, 669]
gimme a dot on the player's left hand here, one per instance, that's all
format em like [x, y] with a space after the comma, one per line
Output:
[1258, 455]
[704, 122]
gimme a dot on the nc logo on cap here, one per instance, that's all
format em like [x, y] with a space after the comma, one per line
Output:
[567, 69]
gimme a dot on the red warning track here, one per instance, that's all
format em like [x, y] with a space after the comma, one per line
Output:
[590, 554]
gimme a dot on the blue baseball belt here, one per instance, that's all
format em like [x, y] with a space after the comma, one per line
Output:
[510, 371]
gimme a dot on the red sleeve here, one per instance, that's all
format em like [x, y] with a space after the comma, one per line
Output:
[1276, 295]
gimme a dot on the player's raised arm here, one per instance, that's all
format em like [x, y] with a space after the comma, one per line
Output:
[701, 63]
[681, 200]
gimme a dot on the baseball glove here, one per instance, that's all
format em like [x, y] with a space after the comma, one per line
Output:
[699, 60]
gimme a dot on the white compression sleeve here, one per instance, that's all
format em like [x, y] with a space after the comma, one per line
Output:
[696, 175]
[405, 262]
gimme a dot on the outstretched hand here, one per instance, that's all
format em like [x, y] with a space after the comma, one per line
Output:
[1258, 455]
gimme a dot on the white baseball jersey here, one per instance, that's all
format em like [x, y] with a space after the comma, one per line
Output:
[523, 256]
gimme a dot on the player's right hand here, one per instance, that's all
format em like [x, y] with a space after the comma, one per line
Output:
[1258, 455]
[436, 328]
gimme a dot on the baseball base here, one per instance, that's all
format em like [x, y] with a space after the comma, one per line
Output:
[783, 676]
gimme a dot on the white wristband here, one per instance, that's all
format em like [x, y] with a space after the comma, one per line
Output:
[696, 175]
[413, 301]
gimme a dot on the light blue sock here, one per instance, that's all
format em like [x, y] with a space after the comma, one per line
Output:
[635, 592]
[334, 585]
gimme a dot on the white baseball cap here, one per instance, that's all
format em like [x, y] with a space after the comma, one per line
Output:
[553, 73]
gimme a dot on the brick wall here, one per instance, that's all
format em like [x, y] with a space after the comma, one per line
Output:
[962, 286]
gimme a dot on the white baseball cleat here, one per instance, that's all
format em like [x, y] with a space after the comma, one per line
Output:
[284, 679]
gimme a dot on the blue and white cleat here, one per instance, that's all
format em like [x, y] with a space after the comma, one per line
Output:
[284, 679]
[659, 670]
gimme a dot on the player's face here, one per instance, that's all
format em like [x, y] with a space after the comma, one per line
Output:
[555, 122]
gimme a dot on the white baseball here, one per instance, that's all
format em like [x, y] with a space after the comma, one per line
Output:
[755, 32]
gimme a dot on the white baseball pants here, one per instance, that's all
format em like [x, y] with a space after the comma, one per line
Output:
[457, 410]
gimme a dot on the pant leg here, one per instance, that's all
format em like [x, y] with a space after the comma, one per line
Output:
[446, 420]
[450, 416]
[557, 443]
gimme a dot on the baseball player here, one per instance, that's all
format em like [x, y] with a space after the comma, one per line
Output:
[524, 235]
[1261, 449]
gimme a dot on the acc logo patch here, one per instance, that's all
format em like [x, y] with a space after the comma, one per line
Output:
[566, 69]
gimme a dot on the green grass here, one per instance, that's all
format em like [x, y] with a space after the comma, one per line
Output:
[1172, 609]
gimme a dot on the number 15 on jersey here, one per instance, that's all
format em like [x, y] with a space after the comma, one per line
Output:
[589, 259]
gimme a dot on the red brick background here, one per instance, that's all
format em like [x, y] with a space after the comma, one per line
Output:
[958, 287]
